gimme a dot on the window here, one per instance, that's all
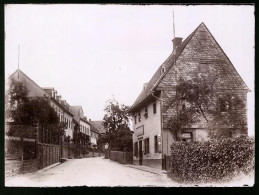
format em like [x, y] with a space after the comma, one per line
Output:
[146, 145]
[156, 143]
[202, 35]
[139, 117]
[135, 118]
[203, 68]
[224, 105]
[136, 149]
[162, 70]
[154, 108]
[183, 104]
[187, 137]
[146, 113]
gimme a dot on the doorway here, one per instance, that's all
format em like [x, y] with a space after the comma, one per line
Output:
[140, 152]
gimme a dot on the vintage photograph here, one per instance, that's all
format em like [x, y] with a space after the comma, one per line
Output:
[129, 95]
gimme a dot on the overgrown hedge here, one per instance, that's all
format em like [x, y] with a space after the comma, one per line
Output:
[212, 161]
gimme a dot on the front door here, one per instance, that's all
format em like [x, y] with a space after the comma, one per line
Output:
[140, 152]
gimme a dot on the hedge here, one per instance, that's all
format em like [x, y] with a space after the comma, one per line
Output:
[211, 161]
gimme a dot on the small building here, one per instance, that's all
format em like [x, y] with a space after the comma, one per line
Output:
[98, 130]
[81, 119]
[198, 54]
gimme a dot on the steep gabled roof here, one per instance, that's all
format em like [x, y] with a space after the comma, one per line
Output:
[231, 74]
[77, 115]
[98, 126]
[157, 77]
[18, 72]
[42, 90]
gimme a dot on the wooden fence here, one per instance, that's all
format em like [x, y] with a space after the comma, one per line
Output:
[48, 154]
[122, 157]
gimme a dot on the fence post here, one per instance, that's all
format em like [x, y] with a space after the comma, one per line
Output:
[21, 138]
[35, 125]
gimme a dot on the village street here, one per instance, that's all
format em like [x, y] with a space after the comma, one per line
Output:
[103, 172]
[91, 172]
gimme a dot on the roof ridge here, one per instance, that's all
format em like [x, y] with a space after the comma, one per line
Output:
[171, 56]
[226, 57]
[177, 54]
[19, 70]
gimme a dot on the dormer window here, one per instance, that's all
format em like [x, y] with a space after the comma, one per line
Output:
[162, 70]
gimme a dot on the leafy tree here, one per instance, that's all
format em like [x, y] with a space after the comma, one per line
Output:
[116, 122]
[23, 110]
[197, 101]
[228, 115]
[80, 140]
[17, 103]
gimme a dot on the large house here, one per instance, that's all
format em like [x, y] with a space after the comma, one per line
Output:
[34, 90]
[67, 114]
[198, 54]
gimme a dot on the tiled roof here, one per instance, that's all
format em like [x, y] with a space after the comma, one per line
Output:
[98, 126]
[157, 77]
[228, 72]
[75, 110]
[44, 90]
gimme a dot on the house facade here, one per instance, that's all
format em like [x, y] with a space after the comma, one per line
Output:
[41, 147]
[98, 130]
[66, 113]
[34, 90]
[62, 108]
[199, 55]
[84, 124]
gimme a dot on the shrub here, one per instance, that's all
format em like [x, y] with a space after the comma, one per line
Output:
[212, 161]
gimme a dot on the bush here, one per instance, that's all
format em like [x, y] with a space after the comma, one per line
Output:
[212, 161]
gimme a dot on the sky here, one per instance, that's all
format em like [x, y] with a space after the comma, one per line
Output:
[93, 53]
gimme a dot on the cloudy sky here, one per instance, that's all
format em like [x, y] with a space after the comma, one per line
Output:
[91, 53]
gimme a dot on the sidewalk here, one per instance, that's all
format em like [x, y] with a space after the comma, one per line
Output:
[148, 169]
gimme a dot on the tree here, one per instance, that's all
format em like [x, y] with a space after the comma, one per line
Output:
[24, 111]
[17, 103]
[197, 100]
[116, 122]
[80, 140]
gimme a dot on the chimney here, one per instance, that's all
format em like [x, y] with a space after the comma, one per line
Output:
[177, 41]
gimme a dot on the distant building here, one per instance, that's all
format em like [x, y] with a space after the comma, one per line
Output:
[98, 126]
[63, 111]
[97, 131]
[199, 54]
[81, 119]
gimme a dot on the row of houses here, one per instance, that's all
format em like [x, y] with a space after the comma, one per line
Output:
[68, 114]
